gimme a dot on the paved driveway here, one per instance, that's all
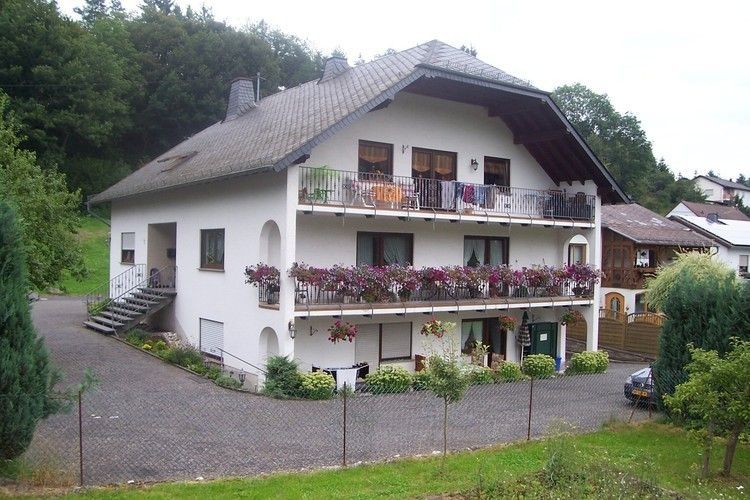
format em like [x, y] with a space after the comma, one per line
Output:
[151, 421]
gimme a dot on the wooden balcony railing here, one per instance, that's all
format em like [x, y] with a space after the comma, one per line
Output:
[324, 186]
[631, 278]
[638, 317]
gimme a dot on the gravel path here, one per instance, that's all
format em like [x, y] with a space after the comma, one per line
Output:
[151, 421]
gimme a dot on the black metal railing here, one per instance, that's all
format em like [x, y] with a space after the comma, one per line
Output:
[307, 293]
[324, 186]
[124, 281]
[125, 284]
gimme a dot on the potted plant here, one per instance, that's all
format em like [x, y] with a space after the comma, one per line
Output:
[571, 317]
[507, 323]
[436, 328]
[340, 331]
[266, 278]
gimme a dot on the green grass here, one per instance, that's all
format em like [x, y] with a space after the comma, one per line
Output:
[93, 236]
[665, 454]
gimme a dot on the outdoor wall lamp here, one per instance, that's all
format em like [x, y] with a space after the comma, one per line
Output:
[292, 329]
[474, 164]
[241, 376]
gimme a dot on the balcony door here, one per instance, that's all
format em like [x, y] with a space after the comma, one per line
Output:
[485, 250]
[434, 172]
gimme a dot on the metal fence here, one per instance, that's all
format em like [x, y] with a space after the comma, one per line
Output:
[191, 428]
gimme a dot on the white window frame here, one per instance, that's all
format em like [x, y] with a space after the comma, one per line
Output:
[129, 248]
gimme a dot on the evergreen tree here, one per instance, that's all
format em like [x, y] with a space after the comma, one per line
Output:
[25, 374]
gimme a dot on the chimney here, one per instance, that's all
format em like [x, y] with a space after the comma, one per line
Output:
[241, 98]
[712, 217]
[335, 65]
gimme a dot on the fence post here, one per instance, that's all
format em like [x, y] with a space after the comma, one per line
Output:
[80, 439]
[531, 399]
[346, 390]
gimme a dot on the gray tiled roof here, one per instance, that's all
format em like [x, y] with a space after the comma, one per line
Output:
[723, 211]
[287, 125]
[643, 226]
[725, 183]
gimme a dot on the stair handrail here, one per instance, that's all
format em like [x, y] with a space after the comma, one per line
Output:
[95, 294]
[159, 291]
[223, 352]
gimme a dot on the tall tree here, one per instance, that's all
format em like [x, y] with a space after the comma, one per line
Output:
[47, 211]
[26, 379]
[621, 144]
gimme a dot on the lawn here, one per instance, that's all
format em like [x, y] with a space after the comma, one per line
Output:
[94, 238]
[654, 454]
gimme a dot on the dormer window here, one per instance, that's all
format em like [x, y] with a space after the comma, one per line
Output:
[375, 158]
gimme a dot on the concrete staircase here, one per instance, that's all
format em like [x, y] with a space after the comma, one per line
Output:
[120, 315]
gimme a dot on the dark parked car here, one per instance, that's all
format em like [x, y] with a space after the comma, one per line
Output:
[639, 387]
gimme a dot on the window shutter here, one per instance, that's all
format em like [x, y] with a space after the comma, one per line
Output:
[128, 241]
[367, 345]
[211, 337]
[396, 341]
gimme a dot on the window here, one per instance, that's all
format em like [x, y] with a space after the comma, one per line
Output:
[386, 341]
[481, 250]
[211, 337]
[429, 164]
[488, 332]
[615, 304]
[382, 249]
[395, 341]
[127, 248]
[212, 249]
[744, 263]
[576, 253]
[496, 171]
[375, 158]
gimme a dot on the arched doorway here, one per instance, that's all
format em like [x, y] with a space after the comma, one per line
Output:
[614, 301]
[269, 249]
[268, 345]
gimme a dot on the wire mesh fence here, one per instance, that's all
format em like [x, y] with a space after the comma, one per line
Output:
[159, 435]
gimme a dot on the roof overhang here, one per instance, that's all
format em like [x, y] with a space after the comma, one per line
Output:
[662, 243]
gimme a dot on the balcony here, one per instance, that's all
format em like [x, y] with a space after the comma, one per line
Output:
[630, 278]
[341, 192]
[375, 290]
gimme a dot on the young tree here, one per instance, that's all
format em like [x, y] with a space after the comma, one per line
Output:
[26, 379]
[716, 395]
[47, 211]
[449, 383]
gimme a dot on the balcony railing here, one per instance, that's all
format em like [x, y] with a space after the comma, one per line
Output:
[324, 186]
[632, 278]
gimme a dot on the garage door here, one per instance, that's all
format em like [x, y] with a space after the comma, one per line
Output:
[211, 337]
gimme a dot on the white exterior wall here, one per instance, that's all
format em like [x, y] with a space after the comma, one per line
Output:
[241, 207]
[718, 193]
[731, 255]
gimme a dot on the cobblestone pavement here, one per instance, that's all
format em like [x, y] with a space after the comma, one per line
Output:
[150, 421]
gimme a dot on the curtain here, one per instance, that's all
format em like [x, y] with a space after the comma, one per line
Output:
[473, 252]
[373, 154]
[497, 253]
[365, 253]
[396, 250]
[420, 162]
[444, 164]
[471, 332]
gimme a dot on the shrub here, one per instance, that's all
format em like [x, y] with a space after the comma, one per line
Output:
[389, 378]
[198, 368]
[184, 356]
[282, 378]
[213, 372]
[137, 337]
[146, 347]
[160, 345]
[538, 366]
[317, 385]
[481, 375]
[509, 372]
[421, 380]
[229, 382]
[588, 362]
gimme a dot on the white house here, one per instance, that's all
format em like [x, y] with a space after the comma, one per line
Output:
[426, 158]
[721, 190]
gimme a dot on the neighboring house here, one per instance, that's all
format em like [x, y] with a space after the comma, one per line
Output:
[731, 236]
[692, 208]
[635, 242]
[427, 157]
[721, 190]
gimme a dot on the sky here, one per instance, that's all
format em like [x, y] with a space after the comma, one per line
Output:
[681, 67]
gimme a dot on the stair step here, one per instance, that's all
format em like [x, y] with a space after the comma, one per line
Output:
[98, 327]
[124, 311]
[107, 322]
[141, 302]
[148, 296]
[118, 316]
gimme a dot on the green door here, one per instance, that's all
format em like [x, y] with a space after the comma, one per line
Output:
[544, 338]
